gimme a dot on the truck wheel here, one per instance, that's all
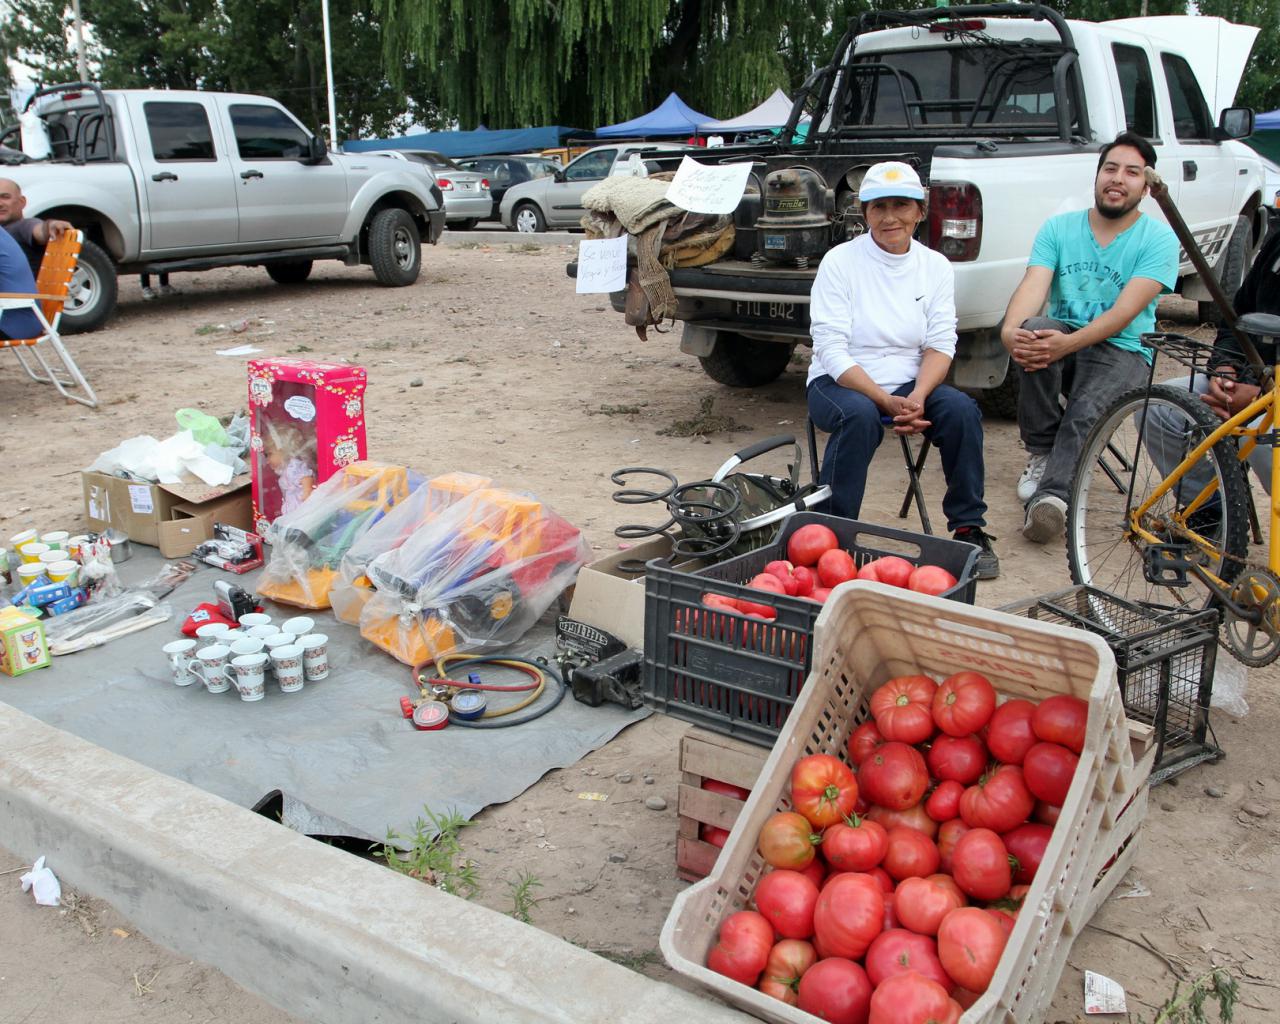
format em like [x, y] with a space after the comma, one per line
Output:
[1001, 401]
[395, 249]
[528, 219]
[745, 362]
[91, 299]
[1230, 270]
[289, 273]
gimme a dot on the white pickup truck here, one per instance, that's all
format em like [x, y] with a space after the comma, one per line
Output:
[1003, 108]
[188, 181]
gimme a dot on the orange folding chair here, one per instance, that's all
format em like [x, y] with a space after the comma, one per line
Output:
[52, 285]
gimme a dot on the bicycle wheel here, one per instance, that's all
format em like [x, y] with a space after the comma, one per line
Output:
[1116, 473]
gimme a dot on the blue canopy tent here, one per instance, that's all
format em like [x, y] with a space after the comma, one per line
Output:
[671, 117]
[477, 143]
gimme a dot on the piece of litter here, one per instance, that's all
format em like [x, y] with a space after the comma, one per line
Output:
[1136, 891]
[1102, 995]
[43, 883]
[593, 796]
[120, 933]
[239, 350]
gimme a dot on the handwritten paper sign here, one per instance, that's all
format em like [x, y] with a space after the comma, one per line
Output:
[602, 265]
[702, 188]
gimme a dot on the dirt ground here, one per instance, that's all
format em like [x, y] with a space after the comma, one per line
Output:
[492, 364]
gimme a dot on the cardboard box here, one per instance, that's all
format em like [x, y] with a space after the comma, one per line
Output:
[138, 508]
[22, 643]
[192, 524]
[613, 600]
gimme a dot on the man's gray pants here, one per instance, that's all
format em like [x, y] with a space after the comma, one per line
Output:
[1091, 379]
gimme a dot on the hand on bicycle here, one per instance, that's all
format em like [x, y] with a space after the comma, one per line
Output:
[1226, 395]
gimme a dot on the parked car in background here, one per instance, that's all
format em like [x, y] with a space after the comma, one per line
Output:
[504, 172]
[466, 193]
[556, 202]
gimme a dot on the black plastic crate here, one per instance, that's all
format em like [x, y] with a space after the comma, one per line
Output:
[739, 675]
[1165, 660]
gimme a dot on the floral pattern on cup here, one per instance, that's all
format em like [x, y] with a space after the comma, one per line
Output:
[181, 664]
[211, 664]
[250, 676]
[315, 656]
[287, 662]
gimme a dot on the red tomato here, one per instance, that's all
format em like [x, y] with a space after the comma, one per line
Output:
[725, 789]
[893, 570]
[970, 942]
[1048, 770]
[823, 789]
[913, 998]
[806, 545]
[1062, 719]
[787, 963]
[980, 865]
[898, 951]
[901, 708]
[931, 579]
[806, 579]
[1005, 921]
[743, 949]
[911, 854]
[767, 581]
[890, 916]
[784, 571]
[1027, 844]
[858, 845]
[715, 836]
[1047, 814]
[913, 817]
[1009, 735]
[948, 834]
[922, 903]
[894, 776]
[787, 840]
[863, 740]
[815, 871]
[763, 582]
[1000, 800]
[786, 899]
[721, 602]
[870, 571]
[944, 802]
[964, 703]
[849, 914]
[835, 567]
[882, 879]
[958, 758]
[837, 990]
[820, 594]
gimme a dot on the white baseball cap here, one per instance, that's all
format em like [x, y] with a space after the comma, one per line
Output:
[891, 178]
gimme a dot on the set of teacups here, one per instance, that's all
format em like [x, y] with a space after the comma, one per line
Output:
[242, 657]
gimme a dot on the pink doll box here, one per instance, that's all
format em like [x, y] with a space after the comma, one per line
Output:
[308, 422]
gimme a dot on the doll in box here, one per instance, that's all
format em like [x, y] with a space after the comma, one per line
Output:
[292, 459]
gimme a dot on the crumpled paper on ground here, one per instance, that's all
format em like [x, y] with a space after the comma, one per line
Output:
[47, 890]
[179, 458]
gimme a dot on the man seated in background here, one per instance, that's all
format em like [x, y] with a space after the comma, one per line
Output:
[1101, 271]
[16, 276]
[31, 233]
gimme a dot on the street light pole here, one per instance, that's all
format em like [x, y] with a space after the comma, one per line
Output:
[82, 65]
[328, 68]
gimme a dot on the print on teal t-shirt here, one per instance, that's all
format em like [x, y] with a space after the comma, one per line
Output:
[1088, 278]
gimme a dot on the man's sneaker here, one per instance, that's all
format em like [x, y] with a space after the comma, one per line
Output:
[1029, 482]
[987, 566]
[148, 293]
[1046, 519]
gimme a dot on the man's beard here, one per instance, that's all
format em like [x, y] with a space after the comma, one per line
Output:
[1115, 213]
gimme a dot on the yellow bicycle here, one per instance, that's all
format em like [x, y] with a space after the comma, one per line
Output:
[1161, 508]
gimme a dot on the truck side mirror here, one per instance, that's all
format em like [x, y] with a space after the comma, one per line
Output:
[317, 151]
[1236, 122]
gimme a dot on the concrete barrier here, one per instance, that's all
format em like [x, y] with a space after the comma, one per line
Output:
[318, 932]
[500, 236]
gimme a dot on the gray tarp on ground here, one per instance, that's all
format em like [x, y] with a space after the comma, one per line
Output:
[340, 752]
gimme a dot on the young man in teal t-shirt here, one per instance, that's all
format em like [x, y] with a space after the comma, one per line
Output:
[1101, 270]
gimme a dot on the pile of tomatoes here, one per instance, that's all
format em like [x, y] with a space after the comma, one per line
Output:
[816, 563]
[894, 886]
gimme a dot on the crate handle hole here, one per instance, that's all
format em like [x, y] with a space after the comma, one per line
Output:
[974, 631]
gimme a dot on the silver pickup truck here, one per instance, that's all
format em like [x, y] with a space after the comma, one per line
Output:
[187, 181]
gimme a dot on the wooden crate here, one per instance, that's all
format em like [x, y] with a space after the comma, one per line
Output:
[707, 755]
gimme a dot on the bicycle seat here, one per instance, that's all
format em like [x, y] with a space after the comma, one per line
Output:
[1265, 325]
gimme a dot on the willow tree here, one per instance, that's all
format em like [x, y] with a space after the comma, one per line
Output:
[589, 62]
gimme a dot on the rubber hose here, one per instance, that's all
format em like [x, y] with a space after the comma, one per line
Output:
[520, 664]
[480, 723]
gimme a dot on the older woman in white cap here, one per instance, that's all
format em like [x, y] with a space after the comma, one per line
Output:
[883, 322]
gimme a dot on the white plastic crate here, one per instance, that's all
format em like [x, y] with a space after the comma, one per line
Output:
[869, 633]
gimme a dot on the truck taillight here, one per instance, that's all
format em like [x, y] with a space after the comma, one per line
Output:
[955, 220]
[444, 184]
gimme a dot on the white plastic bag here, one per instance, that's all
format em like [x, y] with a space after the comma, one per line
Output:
[47, 890]
[35, 135]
